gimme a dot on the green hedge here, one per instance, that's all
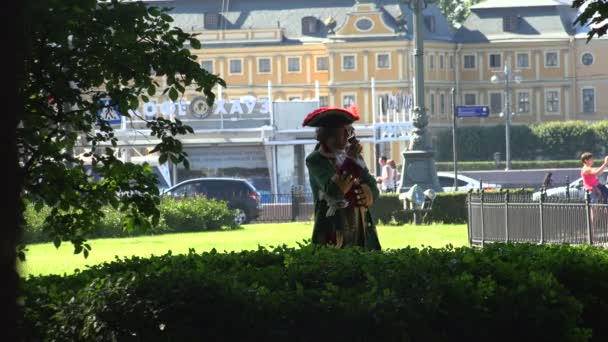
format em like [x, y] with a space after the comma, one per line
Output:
[186, 215]
[515, 165]
[552, 140]
[447, 208]
[198, 214]
[498, 293]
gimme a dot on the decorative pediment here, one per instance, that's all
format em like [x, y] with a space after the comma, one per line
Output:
[365, 19]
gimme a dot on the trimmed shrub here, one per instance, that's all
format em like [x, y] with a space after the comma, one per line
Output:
[187, 215]
[565, 140]
[551, 140]
[447, 208]
[196, 214]
[544, 293]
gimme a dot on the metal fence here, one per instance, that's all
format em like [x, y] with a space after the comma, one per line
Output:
[515, 217]
[293, 207]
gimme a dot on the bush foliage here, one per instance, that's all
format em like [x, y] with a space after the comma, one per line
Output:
[549, 141]
[185, 215]
[498, 293]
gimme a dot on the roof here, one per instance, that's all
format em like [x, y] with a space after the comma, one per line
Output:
[539, 19]
[288, 14]
[519, 3]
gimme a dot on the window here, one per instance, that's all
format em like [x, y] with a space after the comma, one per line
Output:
[587, 59]
[188, 190]
[523, 102]
[364, 24]
[448, 182]
[348, 62]
[470, 99]
[236, 66]
[383, 61]
[469, 61]
[293, 64]
[212, 21]
[451, 62]
[495, 60]
[322, 63]
[310, 25]
[551, 59]
[429, 22]
[207, 65]
[442, 103]
[432, 62]
[264, 66]
[495, 103]
[323, 101]
[441, 62]
[432, 103]
[510, 23]
[552, 101]
[348, 100]
[523, 60]
[588, 100]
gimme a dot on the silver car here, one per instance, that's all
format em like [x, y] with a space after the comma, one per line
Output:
[574, 190]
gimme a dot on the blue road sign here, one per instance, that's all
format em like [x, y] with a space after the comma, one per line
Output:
[472, 111]
[110, 114]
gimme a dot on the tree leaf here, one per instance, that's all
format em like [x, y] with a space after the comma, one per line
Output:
[173, 94]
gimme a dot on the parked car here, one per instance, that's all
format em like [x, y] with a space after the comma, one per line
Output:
[238, 193]
[574, 190]
[446, 181]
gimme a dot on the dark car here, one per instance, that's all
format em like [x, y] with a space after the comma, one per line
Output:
[238, 193]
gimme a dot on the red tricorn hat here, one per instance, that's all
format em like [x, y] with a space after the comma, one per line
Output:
[331, 117]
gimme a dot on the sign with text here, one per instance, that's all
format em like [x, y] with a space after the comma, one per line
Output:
[197, 108]
[472, 111]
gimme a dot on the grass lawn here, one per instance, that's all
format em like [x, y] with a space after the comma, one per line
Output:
[46, 259]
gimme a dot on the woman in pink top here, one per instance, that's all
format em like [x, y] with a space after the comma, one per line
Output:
[599, 191]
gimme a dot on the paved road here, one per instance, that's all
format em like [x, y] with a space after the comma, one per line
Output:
[518, 178]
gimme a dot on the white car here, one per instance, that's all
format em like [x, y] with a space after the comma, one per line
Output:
[446, 181]
[575, 189]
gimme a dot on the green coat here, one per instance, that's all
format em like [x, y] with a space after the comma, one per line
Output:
[320, 171]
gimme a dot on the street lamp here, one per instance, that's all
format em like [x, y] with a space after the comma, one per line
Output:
[418, 163]
[506, 76]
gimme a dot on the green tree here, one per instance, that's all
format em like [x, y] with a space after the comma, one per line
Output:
[79, 52]
[456, 11]
[594, 14]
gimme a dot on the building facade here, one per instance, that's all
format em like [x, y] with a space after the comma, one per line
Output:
[343, 52]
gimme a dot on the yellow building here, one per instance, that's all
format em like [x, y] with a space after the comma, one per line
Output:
[344, 45]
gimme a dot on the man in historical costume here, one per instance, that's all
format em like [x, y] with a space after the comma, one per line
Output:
[343, 189]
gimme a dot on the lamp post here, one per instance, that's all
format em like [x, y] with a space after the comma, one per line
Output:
[419, 166]
[505, 76]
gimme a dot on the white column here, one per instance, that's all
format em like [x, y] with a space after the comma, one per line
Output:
[567, 110]
[566, 65]
[279, 69]
[446, 66]
[374, 105]
[331, 67]
[538, 100]
[308, 69]
[220, 62]
[366, 106]
[400, 55]
[365, 65]
[480, 65]
[537, 64]
[250, 69]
